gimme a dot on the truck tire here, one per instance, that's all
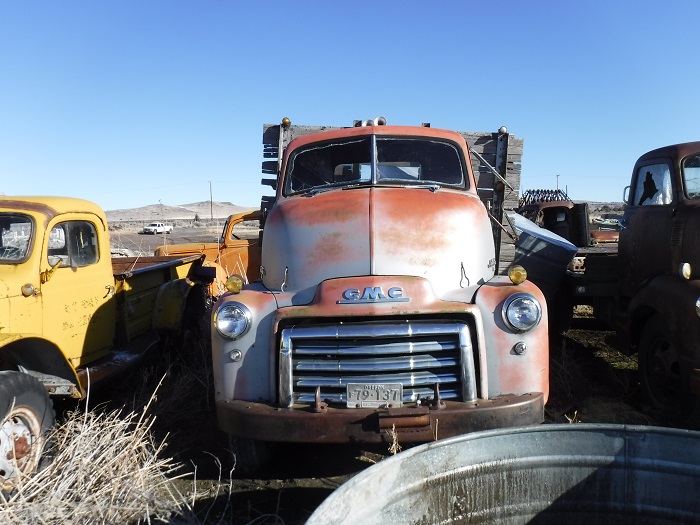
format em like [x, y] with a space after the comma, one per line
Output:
[663, 381]
[27, 415]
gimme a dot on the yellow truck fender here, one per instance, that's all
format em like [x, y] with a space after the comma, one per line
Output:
[42, 359]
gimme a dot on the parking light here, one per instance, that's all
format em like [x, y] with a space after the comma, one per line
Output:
[234, 284]
[517, 274]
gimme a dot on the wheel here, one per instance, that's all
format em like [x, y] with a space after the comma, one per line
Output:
[27, 415]
[661, 375]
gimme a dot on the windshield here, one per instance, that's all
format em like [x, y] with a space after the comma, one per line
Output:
[15, 239]
[691, 176]
[404, 161]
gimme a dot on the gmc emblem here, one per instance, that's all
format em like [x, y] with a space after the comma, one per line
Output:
[373, 294]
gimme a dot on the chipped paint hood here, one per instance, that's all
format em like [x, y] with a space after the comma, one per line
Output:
[443, 236]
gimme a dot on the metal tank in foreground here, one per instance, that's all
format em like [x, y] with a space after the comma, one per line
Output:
[580, 473]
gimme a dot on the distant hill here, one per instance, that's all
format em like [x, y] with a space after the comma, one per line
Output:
[599, 209]
[155, 212]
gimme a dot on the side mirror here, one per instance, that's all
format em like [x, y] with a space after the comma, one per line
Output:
[626, 194]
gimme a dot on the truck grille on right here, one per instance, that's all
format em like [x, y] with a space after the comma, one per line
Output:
[417, 354]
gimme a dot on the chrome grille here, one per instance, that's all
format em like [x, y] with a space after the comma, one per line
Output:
[417, 354]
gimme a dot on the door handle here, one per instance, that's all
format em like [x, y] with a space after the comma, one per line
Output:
[110, 291]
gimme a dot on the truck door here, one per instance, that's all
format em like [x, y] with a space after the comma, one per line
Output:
[20, 307]
[645, 249]
[240, 253]
[77, 296]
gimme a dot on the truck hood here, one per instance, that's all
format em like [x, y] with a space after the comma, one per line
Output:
[443, 236]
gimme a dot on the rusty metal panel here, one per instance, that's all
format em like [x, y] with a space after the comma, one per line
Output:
[377, 232]
[365, 425]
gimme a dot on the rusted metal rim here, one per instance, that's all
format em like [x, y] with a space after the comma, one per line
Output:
[21, 445]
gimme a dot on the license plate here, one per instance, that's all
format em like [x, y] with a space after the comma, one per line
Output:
[374, 395]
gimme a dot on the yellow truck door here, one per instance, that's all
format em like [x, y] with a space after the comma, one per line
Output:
[78, 287]
[20, 306]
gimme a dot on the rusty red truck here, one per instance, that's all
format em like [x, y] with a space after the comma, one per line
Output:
[379, 310]
[648, 287]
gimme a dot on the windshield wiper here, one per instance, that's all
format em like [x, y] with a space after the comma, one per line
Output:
[315, 191]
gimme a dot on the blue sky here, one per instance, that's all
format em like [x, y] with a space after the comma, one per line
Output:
[129, 103]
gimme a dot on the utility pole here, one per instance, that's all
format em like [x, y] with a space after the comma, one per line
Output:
[557, 181]
[211, 204]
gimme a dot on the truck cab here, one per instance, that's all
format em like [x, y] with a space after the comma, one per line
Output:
[47, 257]
[659, 275]
[70, 316]
[378, 307]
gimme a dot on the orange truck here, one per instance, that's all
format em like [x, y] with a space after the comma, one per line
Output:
[71, 316]
[236, 252]
[379, 315]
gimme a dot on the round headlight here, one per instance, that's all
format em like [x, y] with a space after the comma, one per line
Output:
[232, 320]
[522, 312]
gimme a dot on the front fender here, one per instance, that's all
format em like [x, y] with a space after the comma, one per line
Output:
[40, 358]
[674, 299]
[510, 372]
[251, 374]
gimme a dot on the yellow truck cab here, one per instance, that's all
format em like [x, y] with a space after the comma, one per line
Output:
[68, 313]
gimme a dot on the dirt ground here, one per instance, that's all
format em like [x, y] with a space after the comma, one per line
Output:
[137, 243]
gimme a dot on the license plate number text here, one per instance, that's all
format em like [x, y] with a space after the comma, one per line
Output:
[374, 395]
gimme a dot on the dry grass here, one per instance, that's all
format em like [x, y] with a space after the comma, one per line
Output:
[117, 465]
[394, 446]
[106, 469]
[592, 382]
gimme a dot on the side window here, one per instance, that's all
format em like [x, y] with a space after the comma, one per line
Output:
[246, 230]
[691, 176]
[653, 186]
[73, 243]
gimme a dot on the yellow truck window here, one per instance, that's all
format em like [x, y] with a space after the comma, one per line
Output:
[15, 237]
[73, 243]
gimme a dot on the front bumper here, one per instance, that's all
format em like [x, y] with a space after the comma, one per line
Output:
[348, 425]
